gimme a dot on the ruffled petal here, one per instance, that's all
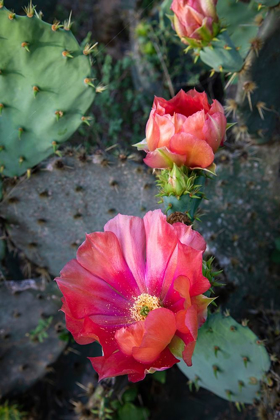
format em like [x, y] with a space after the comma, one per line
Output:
[130, 337]
[166, 129]
[194, 125]
[201, 302]
[188, 236]
[88, 295]
[132, 238]
[200, 100]
[152, 132]
[163, 159]
[160, 327]
[197, 152]
[158, 249]
[214, 130]
[101, 254]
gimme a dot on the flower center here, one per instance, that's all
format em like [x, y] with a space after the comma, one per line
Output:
[143, 305]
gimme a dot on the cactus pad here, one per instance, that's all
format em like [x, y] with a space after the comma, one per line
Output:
[45, 90]
[50, 213]
[228, 360]
[24, 360]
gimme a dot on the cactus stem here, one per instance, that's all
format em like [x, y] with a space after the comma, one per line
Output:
[215, 370]
[59, 114]
[67, 54]
[36, 90]
[11, 15]
[30, 10]
[89, 48]
[1, 108]
[68, 23]
[249, 88]
[89, 81]
[245, 360]
[86, 120]
[56, 25]
[20, 131]
[25, 45]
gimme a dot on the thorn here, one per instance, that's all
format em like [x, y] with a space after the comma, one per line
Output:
[2, 148]
[256, 45]
[260, 342]
[240, 385]
[237, 405]
[67, 54]
[89, 81]
[212, 72]
[21, 160]
[30, 10]
[260, 6]
[28, 173]
[1, 4]
[221, 69]
[100, 88]
[274, 358]
[1, 108]
[35, 90]
[54, 145]
[56, 25]
[196, 379]
[25, 45]
[229, 394]
[215, 370]
[245, 322]
[12, 15]
[196, 58]
[233, 328]
[216, 349]
[59, 114]
[245, 360]
[2, 167]
[226, 47]
[227, 313]
[39, 15]
[231, 107]
[68, 23]
[231, 79]
[20, 131]
[249, 88]
[253, 381]
[89, 48]
[261, 106]
[86, 120]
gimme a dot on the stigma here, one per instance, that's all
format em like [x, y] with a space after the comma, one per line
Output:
[144, 304]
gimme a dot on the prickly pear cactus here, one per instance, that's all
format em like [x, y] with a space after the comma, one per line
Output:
[45, 88]
[228, 360]
[258, 98]
[49, 214]
[23, 358]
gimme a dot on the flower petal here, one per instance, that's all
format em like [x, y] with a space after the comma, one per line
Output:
[166, 129]
[88, 295]
[215, 129]
[130, 337]
[158, 249]
[152, 131]
[131, 236]
[197, 152]
[101, 254]
[194, 125]
[163, 158]
[160, 327]
[188, 236]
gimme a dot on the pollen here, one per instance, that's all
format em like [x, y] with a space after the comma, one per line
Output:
[144, 304]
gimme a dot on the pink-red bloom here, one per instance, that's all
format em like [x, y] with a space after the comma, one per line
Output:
[195, 20]
[137, 288]
[185, 130]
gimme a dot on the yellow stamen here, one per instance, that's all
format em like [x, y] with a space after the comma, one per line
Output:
[143, 305]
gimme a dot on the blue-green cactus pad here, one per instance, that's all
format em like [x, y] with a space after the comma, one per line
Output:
[235, 379]
[28, 123]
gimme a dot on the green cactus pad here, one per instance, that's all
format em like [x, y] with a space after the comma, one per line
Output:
[50, 213]
[263, 74]
[222, 55]
[43, 94]
[228, 360]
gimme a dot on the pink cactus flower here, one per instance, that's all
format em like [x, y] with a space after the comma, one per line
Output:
[185, 130]
[195, 20]
[137, 288]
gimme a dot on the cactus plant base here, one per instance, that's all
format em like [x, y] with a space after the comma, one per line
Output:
[228, 360]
